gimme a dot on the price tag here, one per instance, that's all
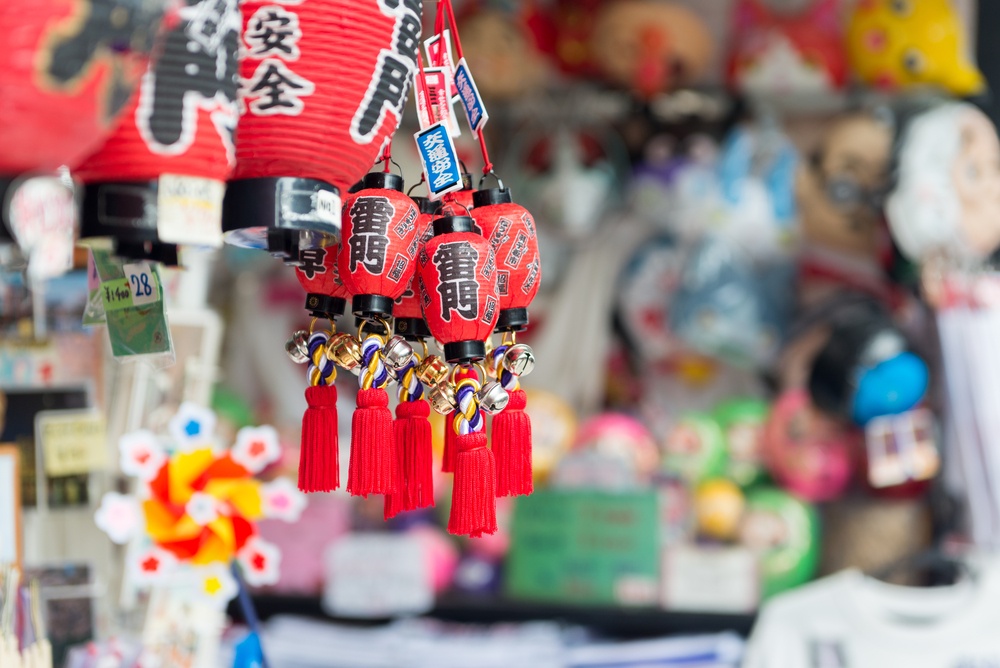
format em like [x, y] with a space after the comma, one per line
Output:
[189, 210]
[142, 283]
[73, 442]
[377, 575]
[439, 159]
[469, 95]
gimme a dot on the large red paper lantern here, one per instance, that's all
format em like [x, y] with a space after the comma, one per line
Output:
[379, 245]
[457, 271]
[324, 86]
[69, 68]
[317, 272]
[408, 311]
[510, 230]
[167, 160]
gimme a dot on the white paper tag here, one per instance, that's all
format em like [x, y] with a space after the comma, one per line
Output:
[142, 283]
[42, 214]
[377, 575]
[710, 579]
[189, 210]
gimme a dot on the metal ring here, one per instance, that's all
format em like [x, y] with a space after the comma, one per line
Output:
[381, 321]
[482, 179]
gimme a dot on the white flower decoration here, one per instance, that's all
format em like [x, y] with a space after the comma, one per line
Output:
[119, 516]
[215, 585]
[202, 508]
[142, 455]
[282, 500]
[192, 427]
[261, 562]
[152, 564]
[256, 447]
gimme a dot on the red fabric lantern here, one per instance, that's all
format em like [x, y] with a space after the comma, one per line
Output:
[457, 271]
[173, 144]
[379, 244]
[510, 230]
[324, 87]
[408, 310]
[317, 272]
[69, 69]
[460, 203]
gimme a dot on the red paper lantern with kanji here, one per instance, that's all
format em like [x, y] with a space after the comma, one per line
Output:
[460, 202]
[510, 230]
[457, 271]
[317, 272]
[69, 68]
[324, 87]
[159, 178]
[408, 310]
[379, 244]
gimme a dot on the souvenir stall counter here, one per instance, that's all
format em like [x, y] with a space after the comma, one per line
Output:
[499, 332]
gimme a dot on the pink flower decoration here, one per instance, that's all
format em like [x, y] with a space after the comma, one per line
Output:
[282, 500]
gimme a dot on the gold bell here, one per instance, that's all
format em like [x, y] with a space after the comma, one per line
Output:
[345, 351]
[432, 370]
[442, 398]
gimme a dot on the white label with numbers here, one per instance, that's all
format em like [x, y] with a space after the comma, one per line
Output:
[189, 210]
[142, 283]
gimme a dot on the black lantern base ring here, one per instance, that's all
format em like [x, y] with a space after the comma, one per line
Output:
[6, 236]
[325, 306]
[372, 307]
[465, 352]
[512, 320]
[281, 215]
[126, 212]
[412, 329]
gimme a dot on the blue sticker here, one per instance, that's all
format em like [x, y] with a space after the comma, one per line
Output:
[440, 160]
[475, 110]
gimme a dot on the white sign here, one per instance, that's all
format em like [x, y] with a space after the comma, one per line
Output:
[189, 210]
[377, 575]
[710, 579]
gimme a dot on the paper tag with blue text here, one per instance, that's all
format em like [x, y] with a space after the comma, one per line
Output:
[469, 95]
[439, 159]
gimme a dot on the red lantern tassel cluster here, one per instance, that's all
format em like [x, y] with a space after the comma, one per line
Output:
[319, 467]
[414, 452]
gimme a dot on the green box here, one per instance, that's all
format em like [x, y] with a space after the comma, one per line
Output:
[588, 547]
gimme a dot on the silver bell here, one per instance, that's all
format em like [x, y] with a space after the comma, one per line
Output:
[492, 398]
[519, 359]
[297, 347]
[397, 353]
[442, 398]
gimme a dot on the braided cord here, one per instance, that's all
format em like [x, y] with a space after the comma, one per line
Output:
[322, 370]
[374, 373]
[468, 418]
[410, 388]
[506, 379]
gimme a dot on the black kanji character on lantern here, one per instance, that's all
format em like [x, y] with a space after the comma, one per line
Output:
[199, 56]
[273, 31]
[459, 290]
[120, 30]
[275, 89]
[370, 218]
[311, 261]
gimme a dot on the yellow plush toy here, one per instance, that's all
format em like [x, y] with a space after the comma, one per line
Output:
[900, 43]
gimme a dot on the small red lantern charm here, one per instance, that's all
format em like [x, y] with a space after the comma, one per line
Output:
[458, 287]
[326, 296]
[510, 230]
[324, 84]
[376, 262]
[174, 144]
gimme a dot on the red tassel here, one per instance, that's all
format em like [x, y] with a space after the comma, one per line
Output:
[372, 469]
[473, 496]
[511, 437]
[319, 467]
[448, 456]
[414, 460]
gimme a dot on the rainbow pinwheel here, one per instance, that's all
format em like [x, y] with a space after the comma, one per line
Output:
[197, 506]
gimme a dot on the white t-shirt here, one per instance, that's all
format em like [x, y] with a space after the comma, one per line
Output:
[849, 620]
